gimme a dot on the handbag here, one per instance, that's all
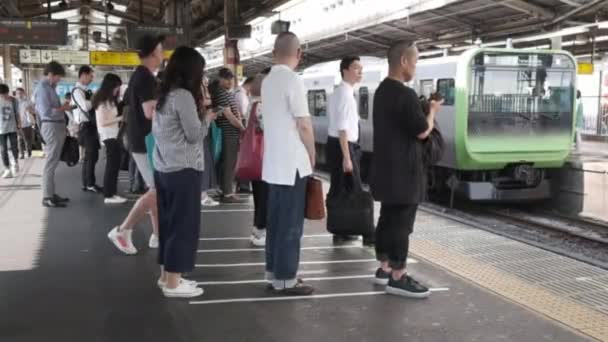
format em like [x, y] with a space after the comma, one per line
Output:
[216, 141]
[351, 212]
[70, 152]
[251, 151]
[315, 204]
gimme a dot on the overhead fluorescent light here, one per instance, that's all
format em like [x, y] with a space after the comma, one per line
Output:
[53, 3]
[65, 14]
[111, 19]
[565, 32]
[602, 25]
[430, 53]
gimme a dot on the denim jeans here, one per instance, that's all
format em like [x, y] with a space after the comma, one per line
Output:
[284, 228]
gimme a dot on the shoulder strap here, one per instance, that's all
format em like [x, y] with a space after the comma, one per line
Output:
[16, 110]
[78, 104]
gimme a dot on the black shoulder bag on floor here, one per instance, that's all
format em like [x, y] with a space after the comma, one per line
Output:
[70, 153]
[351, 211]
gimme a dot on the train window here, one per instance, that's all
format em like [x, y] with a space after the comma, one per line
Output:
[426, 88]
[364, 103]
[445, 87]
[317, 102]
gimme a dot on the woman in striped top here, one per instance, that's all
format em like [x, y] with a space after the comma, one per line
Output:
[179, 131]
[230, 121]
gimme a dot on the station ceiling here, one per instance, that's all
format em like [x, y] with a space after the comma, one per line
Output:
[452, 26]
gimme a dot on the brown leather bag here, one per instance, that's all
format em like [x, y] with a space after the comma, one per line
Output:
[315, 202]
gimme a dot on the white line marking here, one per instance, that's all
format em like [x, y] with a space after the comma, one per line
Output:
[321, 262]
[259, 281]
[320, 296]
[262, 249]
[304, 272]
[225, 210]
[247, 238]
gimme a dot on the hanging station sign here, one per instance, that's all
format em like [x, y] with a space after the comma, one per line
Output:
[33, 32]
[173, 35]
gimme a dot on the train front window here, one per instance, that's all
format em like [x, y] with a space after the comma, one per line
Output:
[521, 94]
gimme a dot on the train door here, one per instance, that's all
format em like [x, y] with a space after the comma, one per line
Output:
[364, 103]
[317, 105]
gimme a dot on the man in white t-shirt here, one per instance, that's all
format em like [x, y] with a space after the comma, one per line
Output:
[27, 115]
[289, 157]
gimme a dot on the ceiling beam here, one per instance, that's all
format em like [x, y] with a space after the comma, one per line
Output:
[366, 39]
[529, 8]
[582, 8]
[459, 21]
[11, 8]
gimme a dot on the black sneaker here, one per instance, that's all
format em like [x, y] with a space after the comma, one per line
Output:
[94, 189]
[407, 287]
[232, 200]
[300, 289]
[60, 199]
[51, 203]
[381, 277]
[339, 239]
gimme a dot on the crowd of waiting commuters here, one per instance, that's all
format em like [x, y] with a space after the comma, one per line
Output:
[162, 128]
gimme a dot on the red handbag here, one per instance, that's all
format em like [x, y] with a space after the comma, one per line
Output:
[251, 151]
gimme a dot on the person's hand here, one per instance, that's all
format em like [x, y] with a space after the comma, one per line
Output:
[347, 165]
[436, 106]
[210, 115]
[66, 107]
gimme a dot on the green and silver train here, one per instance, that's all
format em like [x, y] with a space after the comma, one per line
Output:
[507, 119]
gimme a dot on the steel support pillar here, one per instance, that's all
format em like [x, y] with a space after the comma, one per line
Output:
[231, 49]
[7, 63]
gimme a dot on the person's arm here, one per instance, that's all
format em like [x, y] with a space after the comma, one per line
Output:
[298, 106]
[185, 108]
[149, 109]
[342, 120]
[233, 119]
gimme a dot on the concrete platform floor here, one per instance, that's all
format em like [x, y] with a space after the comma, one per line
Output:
[61, 280]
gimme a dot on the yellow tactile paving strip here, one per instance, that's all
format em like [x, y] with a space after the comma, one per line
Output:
[577, 316]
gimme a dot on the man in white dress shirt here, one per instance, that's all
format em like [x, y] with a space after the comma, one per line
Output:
[87, 131]
[342, 147]
[289, 157]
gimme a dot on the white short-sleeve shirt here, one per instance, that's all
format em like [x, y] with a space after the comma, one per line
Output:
[283, 102]
[343, 113]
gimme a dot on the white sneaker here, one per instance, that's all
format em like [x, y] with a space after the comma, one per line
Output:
[162, 284]
[7, 174]
[258, 237]
[153, 243]
[183, 290]
[122, 240]
[115, 200]
[15, 169]
[209, 202]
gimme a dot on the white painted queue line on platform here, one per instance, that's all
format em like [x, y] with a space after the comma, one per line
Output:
[319, 296]
[226, 210]
[262, 281]
[320, 262]
[263, 250]
[309, 236]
